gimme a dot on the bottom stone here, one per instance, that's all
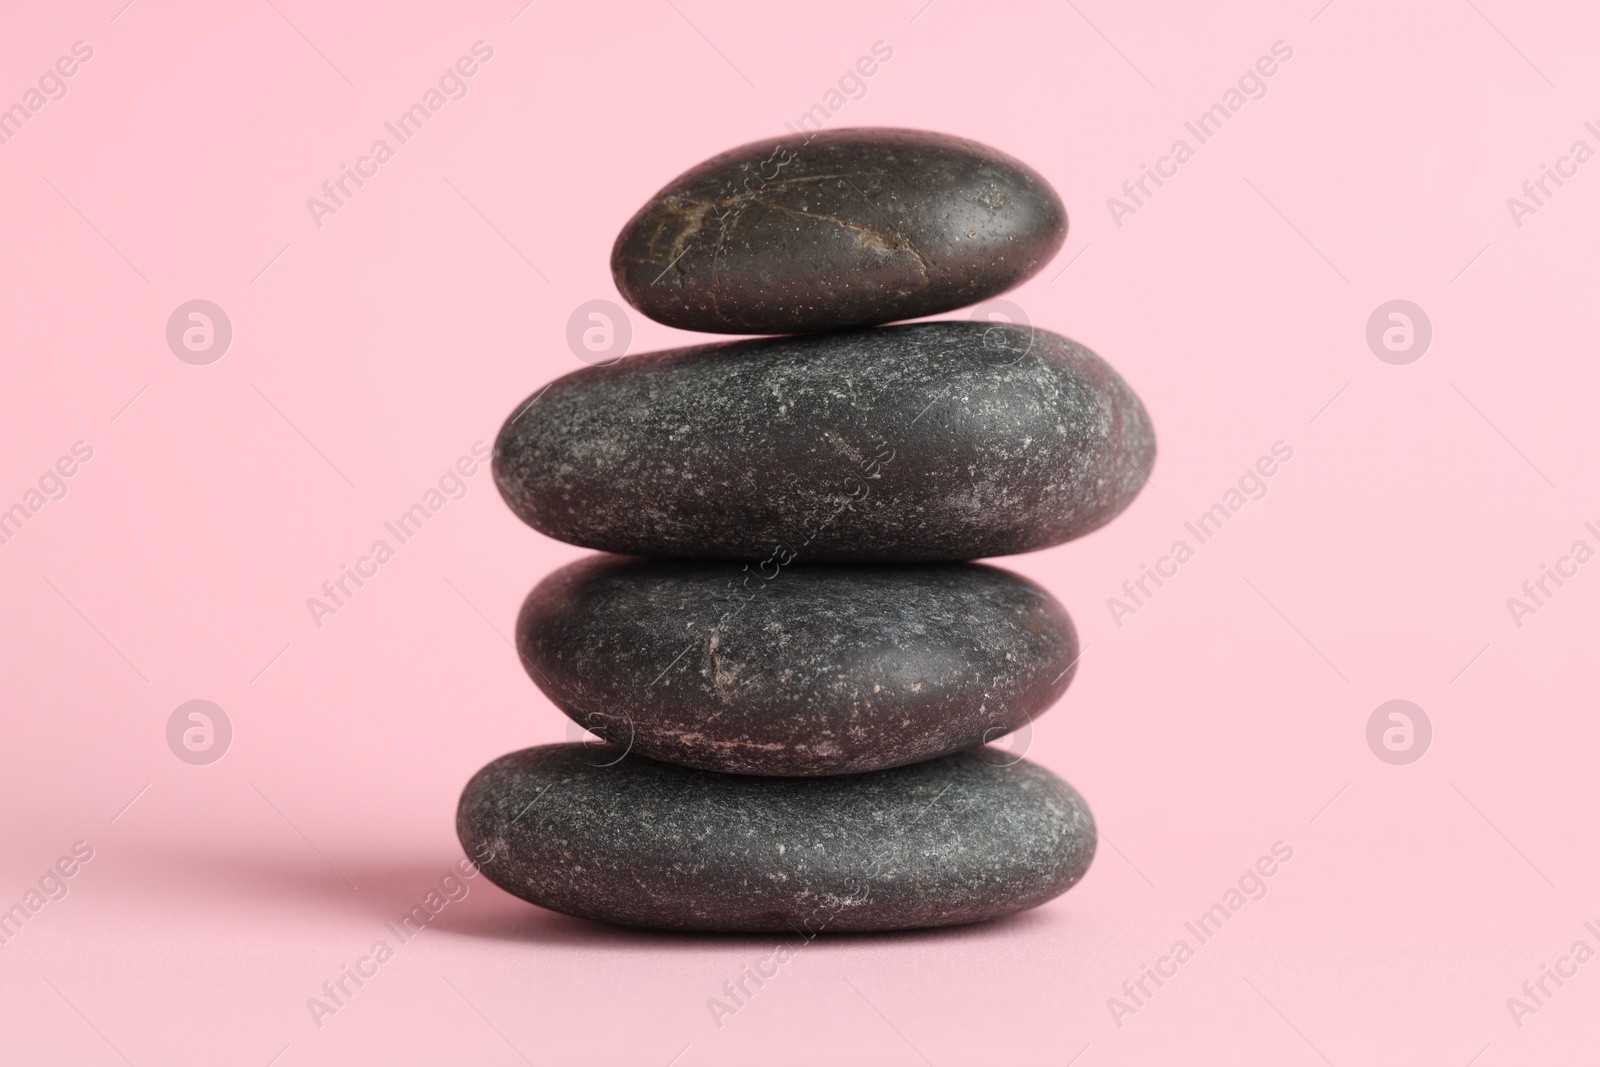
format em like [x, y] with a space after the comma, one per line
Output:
[590, 831]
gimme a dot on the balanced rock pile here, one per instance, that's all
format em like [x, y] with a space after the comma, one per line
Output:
[792, 668]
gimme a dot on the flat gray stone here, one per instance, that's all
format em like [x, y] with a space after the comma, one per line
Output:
[826, 669]
[850, 228]
[640, 843]
[932, 441]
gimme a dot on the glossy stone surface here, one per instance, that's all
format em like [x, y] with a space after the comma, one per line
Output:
[640, 843]
[827, 669]
[852, 228]
[932, 441]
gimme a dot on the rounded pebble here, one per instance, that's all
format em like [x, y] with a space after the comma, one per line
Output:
[852, 227]
[641, 843]
[919, 443]
[827, 669]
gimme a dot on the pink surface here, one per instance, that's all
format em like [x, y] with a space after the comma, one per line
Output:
[370, 352]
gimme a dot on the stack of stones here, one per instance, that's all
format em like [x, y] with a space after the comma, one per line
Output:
[793, 669]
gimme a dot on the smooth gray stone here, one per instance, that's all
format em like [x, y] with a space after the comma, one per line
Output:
[851, 228]
[827, 669]
[640, 843]
[933, 441]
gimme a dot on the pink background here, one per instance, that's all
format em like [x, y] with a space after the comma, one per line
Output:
[375, 350]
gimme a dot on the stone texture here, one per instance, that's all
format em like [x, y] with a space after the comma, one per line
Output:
[932, 441]
[640, 843]
[827, 669]
[850, 228]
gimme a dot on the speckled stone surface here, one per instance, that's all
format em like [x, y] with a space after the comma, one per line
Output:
[932, 441]
[640, 843]
[851, 228]
[828, 669]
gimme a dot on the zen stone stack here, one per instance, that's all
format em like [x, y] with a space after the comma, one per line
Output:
[792, 662]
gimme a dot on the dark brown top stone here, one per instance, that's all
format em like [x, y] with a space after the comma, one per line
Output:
[850, 228]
